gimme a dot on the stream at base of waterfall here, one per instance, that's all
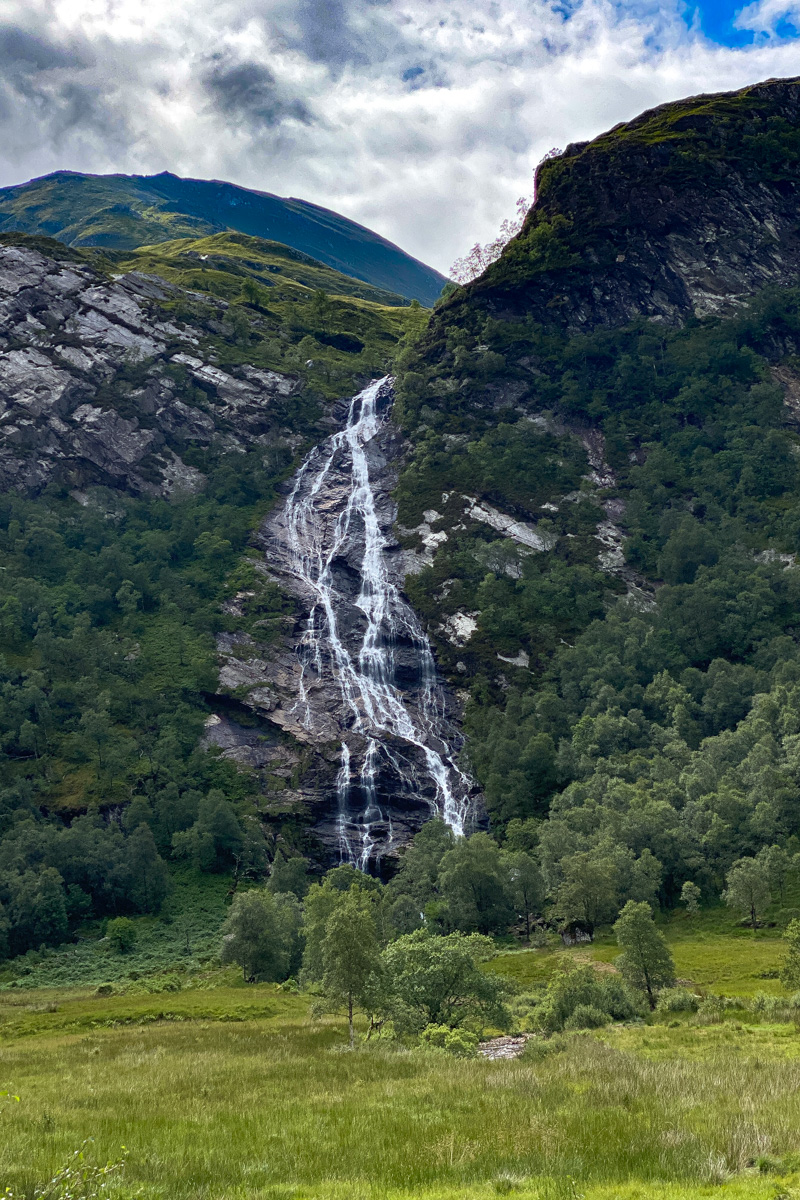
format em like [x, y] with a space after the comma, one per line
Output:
[337, 546]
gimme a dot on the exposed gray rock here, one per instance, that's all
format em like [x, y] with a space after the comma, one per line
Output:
[67, 336]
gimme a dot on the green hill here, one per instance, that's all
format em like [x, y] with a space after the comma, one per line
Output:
[121, 212]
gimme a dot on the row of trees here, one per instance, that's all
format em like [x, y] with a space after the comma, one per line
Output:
[344, 943]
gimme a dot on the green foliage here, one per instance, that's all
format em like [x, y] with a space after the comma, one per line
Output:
[690, 896]
[645, 963]
[459, 1042]
[748, 888]
[121, 934]
[676, 1000]
[350, 955]
[585, 992]
[790, 966]
[262, 933]
[435, 980]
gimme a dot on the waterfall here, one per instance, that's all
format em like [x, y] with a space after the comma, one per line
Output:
[332, 516]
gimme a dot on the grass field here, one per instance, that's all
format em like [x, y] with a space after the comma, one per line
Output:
[712, 952]
[224, 1091]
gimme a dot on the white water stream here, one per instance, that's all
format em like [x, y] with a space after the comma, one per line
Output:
[365, 678]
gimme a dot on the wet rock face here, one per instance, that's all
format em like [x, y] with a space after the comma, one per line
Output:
[354, 680]
[68, 338]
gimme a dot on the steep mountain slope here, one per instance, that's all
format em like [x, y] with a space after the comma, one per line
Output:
[595, 456]
[604, 488]
[145, 431]
[122, 212]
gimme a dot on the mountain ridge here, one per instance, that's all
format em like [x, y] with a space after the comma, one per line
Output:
[127, 211]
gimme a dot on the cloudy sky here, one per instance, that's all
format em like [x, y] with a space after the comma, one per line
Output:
[423, 119]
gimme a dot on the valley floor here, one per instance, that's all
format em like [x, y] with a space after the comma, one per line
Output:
[223, 1090]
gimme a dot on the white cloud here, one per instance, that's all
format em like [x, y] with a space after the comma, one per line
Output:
[423, 120]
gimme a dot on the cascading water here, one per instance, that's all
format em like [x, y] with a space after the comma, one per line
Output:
[331, 514]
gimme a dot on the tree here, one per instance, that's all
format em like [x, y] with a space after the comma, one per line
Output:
[350, 955]
[216, 838]
[790, 964]
[646, 963]
[778, 864]
[690, 896]
[38, 909]
[418, 873]
[590, 889]
[289, 875]
[748, 888]
[149, 874]
[526, 886]
[434, 980]
[474, 885]
[262, 933]
[321, 901]
[121, 934]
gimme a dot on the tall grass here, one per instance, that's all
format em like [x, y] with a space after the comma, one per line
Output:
[275, 1107]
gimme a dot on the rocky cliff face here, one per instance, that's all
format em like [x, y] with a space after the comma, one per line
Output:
[113, 382]
[685, 211]
[99, 384]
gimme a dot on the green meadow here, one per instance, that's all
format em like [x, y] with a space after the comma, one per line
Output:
[228, 1091]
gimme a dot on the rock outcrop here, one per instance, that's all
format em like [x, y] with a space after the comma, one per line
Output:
[95, 375]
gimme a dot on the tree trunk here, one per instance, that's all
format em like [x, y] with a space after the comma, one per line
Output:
[753, 920]
[350, 1018]
[527, 926]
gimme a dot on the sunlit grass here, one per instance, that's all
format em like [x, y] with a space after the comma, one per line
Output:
[235, 1092]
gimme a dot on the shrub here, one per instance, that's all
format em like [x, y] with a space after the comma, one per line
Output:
[459, 1042]
[677, 999]
[587, 1016]
[121, 934]
[583, 986]
[712, 1010]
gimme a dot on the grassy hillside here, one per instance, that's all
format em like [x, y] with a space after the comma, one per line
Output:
[127, 211]
[220, 262]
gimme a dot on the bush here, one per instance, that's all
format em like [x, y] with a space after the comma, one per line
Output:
[121, 934]
[712, 1010]
[584, 987]
[587, 1016]
[459, 1042]
[677, 999]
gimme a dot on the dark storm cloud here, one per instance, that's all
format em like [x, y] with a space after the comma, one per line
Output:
[23, 52]
[249, 91]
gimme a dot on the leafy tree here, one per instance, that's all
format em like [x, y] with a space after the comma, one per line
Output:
[526, 886]
[790, 965]
[321, 901]
[646, 963]
[149, 874]
[216, 838]
[590, 888]
[435, 980]
[748, 888]
[350, 955]
[779, 866]
[37, 910]
[582, 987]
[289, 875]
[262, 934]
[690, 896]
[121, 934]
[418, 873]
[473, 883]
[5, 929]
